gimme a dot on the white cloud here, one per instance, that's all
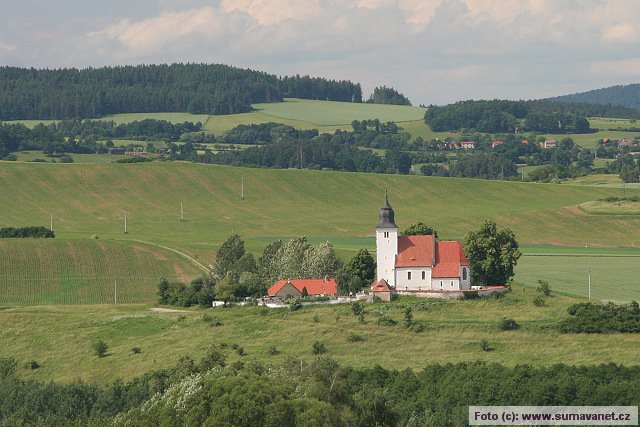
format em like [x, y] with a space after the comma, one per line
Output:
[8, 47]
[629, 67]
[273, 12]
[152, 34]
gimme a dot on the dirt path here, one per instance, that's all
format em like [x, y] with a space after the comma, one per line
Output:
[167, 310]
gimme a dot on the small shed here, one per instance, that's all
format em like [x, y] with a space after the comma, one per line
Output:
[382, 290]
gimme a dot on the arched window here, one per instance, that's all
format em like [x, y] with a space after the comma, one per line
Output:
[424, 275]
[408, 275]
[464, 274]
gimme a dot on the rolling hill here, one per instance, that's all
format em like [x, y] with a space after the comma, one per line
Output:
[621, 95]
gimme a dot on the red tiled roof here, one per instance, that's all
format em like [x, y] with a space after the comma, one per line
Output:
[449, 258]
[415, 251]
[314, 286]
[380, 286]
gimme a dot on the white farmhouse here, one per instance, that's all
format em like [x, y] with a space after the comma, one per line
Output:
[419, 265]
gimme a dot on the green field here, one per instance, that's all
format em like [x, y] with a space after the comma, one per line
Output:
[52, 271]
[87, 200]
[59, 338]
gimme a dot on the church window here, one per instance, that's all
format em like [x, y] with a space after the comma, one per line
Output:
[464, 274]
[452, 283]
[424, 275]
[408, 275]
[386, 234]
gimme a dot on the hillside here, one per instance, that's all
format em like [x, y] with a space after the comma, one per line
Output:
[93, 199]
[453, 334]
[621, 95]
[55, 271]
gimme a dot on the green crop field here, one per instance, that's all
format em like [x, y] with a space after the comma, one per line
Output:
[93, 199]
[52, 271]
[59, 338]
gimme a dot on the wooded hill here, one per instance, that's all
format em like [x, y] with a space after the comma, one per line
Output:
[530, 116]
[621, 95]
[195, 88]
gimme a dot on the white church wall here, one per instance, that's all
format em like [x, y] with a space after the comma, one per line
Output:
[445, 284]
[412, 278]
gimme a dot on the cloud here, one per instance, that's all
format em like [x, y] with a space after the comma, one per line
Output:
[434, 51]
[273, 12]
[152, 34]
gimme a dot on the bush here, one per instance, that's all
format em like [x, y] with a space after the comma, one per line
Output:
[136, 350]
[544, 287]
[24, 232]
[100, 348]
[32, 365]
[316, 318]
[294, 304]
[355, 338]
[134, 160]
[408, 317]
[357, 308]
[211, 320]
[240, 351]
[318, 348]
[417, 327]
[484, 345]
[273, 351]
[539, 301]
[508, 324]
[386, 321]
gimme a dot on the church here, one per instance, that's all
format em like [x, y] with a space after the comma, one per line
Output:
[418, 265]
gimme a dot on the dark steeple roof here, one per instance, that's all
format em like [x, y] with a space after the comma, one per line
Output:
[386, 214]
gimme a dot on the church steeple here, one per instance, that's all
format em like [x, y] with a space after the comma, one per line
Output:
[386, 214]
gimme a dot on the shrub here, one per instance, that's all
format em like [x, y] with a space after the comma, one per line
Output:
[544, 287]
[32, 365]
[240, 351]
[357, 308]
[539, 301]
[355, 338]
[507, 324]
[385, 320]
[316, 318]
[408, 317]
[100, 348]
[294, 304]
[211, 320]
[318, 348]
[417, 327]
[136, 350]
[484, 345]
[273, 351]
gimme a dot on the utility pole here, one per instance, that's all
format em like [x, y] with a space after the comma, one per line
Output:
[51, 222]
[125, 224]
[181, 211]
[242, 187]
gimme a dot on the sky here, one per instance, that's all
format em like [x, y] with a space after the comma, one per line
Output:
[433, 51]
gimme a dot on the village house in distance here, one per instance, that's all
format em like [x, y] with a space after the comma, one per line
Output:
[419, 265]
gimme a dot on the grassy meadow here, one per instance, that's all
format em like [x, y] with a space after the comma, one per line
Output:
[57, 271]
[59, 338]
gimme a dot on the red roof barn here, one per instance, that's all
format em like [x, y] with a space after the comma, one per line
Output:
[295, 287]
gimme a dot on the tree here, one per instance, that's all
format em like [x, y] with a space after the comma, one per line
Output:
[228, 255]
[100, 348]
[419, 229]
[359, 271]
[492, 254]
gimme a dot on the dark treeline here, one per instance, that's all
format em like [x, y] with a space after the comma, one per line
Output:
[216, 391]
[80, 136]
[598, 318]
[509, 116]
[195, 88]
[610, 98]
[23, 232]
[388, 95]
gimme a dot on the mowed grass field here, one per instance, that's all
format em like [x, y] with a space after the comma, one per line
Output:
[88, 200]
[52, 271]
[60, 339]
[92, 200]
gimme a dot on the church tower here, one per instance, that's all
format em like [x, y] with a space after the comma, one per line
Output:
[386, 244]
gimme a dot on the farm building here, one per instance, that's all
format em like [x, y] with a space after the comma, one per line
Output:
[295, 288]
[418, 265]
[468, 145]
[549, 143]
